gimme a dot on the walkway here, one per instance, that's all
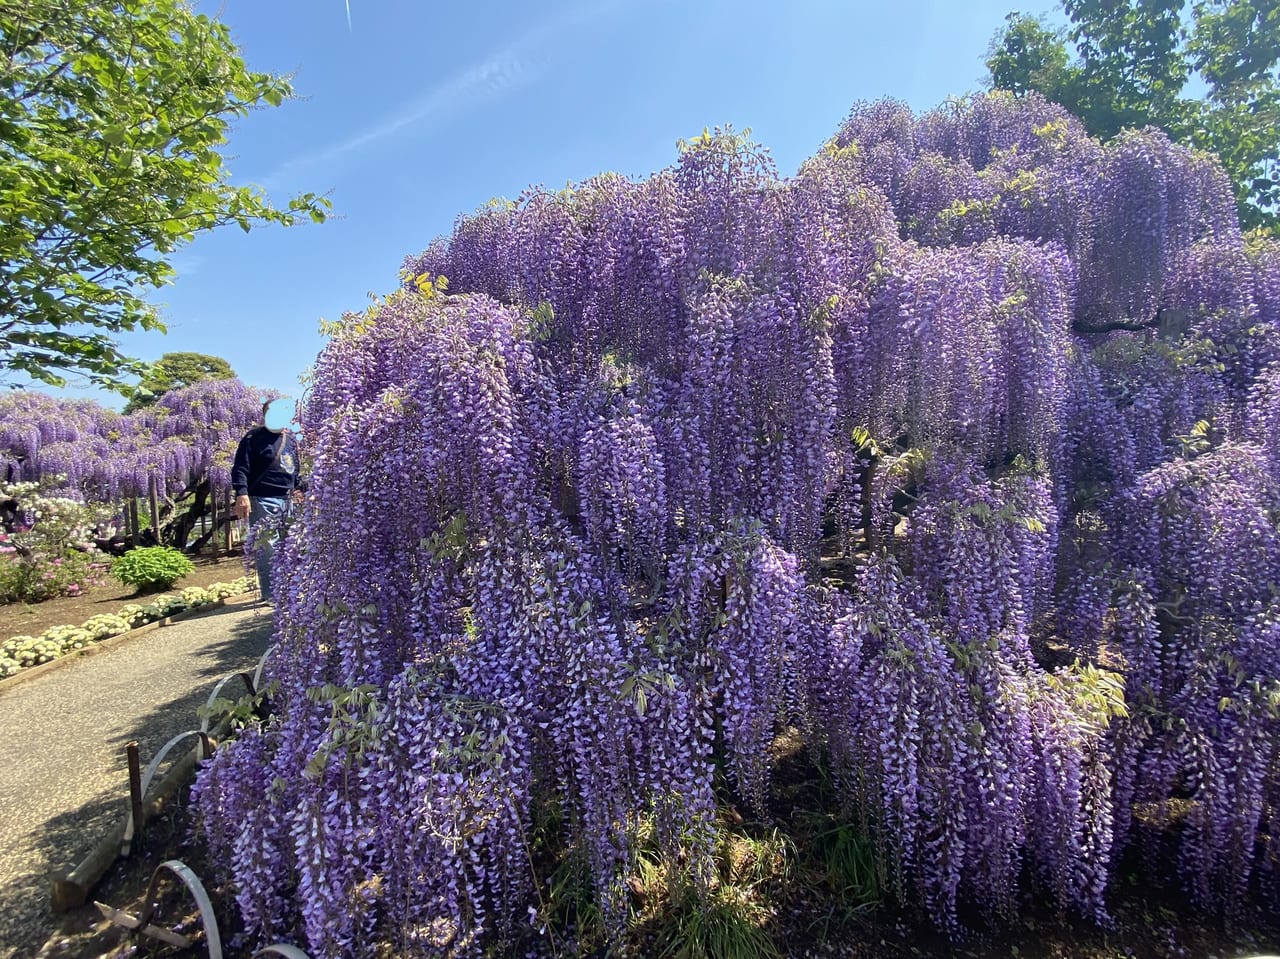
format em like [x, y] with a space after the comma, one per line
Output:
[63, 775]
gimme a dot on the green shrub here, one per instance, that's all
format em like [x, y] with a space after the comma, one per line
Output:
[163, 606]
[151, 568]
[49, 552]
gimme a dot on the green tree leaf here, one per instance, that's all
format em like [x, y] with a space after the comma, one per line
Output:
[111, 121]
[1132, 63]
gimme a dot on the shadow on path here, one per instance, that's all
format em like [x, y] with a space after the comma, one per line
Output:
[61, 794]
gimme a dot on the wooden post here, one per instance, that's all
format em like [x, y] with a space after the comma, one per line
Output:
[213, 509]
[155, 509]
[135, 788]
[133, 520]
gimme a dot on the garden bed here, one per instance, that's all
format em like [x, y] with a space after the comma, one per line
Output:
[22, 653]
[18, 619]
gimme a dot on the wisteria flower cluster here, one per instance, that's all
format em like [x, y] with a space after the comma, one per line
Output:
[103, 456]
[956, 451]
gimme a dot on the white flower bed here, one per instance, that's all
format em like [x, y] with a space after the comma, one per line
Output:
[22, 652]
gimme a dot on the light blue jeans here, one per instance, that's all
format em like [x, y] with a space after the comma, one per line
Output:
[265, 515]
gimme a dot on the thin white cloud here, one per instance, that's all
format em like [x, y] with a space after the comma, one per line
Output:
[516, 64]
[496, 74]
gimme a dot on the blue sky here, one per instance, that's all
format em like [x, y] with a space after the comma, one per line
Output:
[417, 113]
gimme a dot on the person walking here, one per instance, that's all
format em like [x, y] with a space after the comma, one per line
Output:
[265, 474]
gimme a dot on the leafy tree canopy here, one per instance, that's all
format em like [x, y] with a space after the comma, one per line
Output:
[111, 117]
[1134, 63]
[175, 370]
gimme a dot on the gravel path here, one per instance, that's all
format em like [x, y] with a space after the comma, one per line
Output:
[63, 775]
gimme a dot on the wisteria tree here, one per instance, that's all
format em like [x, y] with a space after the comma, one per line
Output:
[905, 453]
[181, 446]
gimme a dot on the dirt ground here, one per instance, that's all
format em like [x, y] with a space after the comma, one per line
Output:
[23, 619]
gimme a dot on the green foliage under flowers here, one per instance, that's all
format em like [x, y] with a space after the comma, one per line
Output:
[44, 577]
[21, 652]
[151, 568]
[728, 914]
[728, 923]
[725, 916]
[49, 552]
[236, 714]
[844, 860]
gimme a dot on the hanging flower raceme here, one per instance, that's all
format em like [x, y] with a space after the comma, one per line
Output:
[985, 552]
[745, 432]
[734, 606]
[967, 758]
[1197, 630]
[1263, 418]
[623, 493]
[970, 348]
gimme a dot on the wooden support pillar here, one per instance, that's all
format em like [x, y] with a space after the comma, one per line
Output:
[133, 520]
[214, 495]
[155, 508]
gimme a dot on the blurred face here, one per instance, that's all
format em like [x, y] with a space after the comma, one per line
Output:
[278, 414]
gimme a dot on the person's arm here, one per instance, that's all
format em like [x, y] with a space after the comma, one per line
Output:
[240, 478]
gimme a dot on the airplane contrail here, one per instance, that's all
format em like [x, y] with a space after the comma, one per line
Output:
[348, 16]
